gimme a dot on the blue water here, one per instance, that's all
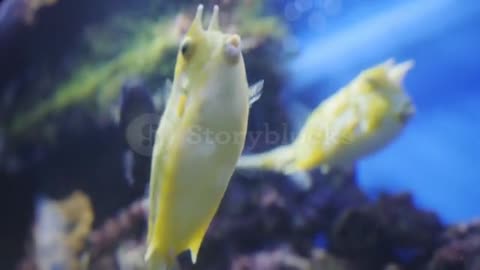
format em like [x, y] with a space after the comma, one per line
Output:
[435, 158]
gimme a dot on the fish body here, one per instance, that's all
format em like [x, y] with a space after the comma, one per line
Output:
[198, 142]
[358, 120]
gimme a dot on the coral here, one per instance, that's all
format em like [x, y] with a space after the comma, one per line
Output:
[50, 247]
[60, 232]
[389, 230]
[461, 248]
[24, 9]
[321, 259]
[78, 213]
[33, 6]
[106, 238]
[281, 258]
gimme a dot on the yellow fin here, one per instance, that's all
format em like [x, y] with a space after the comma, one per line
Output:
[194, 248]
[196, 242]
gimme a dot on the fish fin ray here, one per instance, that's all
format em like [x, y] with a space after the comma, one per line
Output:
[278, 159]
[256, 91]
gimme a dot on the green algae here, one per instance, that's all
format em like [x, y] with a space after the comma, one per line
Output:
[102, 81]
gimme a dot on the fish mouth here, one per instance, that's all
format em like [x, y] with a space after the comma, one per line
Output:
[407, 112]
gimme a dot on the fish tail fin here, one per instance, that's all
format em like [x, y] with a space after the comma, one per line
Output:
[280, 159]
[196, 242]
[194, 248]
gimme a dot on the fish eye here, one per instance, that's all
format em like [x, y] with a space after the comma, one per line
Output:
[186, 47]
[232, 49]
[373, 82]
[376, 83]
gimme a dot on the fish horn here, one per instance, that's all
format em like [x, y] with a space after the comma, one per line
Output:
[214, 25]
[398, 72]
[197, 21]
[389, 63]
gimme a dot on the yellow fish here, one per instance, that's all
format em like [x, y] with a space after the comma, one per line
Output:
[356, 121]
[198, 142]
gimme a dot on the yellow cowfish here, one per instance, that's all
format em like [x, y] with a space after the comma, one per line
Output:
[356, 121]
[198, 142]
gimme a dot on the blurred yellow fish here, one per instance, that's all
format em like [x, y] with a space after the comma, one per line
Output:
[198, 142]
[356, 121]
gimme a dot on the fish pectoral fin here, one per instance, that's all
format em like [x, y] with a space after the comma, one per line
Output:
[302, 179]
[167, 88]
[255, 91]
[182, 102]
[161, 96]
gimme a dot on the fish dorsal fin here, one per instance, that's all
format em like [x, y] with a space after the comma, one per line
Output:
[161, 96]
[256, 91]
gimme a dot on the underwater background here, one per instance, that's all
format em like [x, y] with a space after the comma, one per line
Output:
[438, 150]
[75, 74]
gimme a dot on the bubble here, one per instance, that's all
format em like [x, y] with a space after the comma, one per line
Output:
[291, 12]
[140, 133]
